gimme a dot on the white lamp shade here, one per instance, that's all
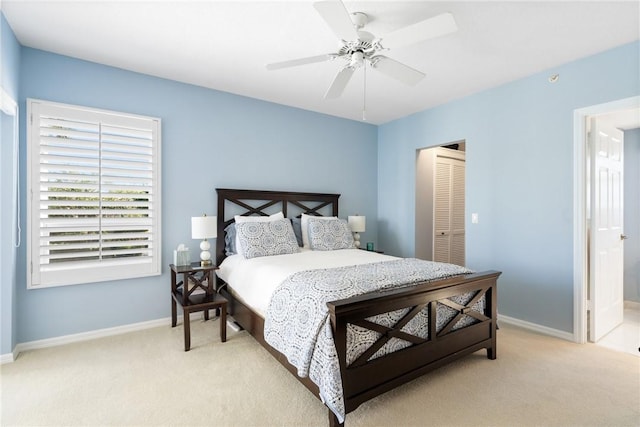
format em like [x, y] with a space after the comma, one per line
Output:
[204, 227]
[357, 223]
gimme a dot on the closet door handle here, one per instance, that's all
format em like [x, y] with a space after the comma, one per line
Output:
[623, 237]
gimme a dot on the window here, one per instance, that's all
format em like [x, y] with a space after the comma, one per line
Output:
[94, 195]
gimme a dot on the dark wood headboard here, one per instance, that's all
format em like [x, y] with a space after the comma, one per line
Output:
[263, 203]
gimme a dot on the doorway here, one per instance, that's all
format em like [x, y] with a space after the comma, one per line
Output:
[440, 203]
[624, 114]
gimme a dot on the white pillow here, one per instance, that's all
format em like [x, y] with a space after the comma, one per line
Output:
[304, 223]
[254, 218]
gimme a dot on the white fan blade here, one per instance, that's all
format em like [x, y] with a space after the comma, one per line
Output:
[339, 83]
[396, 70]
[300, 61]
[429, 28]
[337, 18]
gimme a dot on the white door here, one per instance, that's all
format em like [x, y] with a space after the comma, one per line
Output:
[606, 249]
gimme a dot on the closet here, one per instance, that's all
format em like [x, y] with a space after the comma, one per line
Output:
[440, 195]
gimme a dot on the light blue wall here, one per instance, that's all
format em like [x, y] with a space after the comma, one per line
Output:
[632, 215]
[10, 60]
[210, 139]
[519, 177]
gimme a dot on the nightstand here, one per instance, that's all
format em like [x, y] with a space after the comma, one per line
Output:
[374, 250]
[196, 292]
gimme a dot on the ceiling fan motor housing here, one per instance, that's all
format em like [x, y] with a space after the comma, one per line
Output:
[356, 52]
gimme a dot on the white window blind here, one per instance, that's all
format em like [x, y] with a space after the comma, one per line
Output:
[94, 202]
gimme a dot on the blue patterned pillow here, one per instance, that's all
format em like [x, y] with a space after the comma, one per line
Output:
[230, 239]
[266, 238]
[328, 234]
[297, 230]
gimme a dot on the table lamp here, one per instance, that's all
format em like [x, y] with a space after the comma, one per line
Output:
[357, 225]
[204, 227]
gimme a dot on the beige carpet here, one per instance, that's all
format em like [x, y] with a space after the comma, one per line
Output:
[145, 378]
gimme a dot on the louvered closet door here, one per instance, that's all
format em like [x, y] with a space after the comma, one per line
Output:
[457, 213]
[449, 233]
[442, 209]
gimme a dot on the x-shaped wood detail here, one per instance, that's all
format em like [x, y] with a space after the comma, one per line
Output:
[463, 310]
[388, 333]
[259, 210]
[310, 211]
[198, 283]
[395, 331]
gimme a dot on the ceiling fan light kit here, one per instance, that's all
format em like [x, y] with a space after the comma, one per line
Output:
[360, 47]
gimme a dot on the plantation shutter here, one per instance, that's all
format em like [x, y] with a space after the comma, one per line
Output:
[95, 195]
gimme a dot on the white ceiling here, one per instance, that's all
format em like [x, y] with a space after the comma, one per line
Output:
[225, 45]
[623, 119]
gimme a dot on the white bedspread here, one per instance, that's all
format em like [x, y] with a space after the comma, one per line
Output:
[253, 281]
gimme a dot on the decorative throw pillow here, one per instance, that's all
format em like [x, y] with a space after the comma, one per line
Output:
[265, 238]
[253, 218]
[304, 225]
[328, 234]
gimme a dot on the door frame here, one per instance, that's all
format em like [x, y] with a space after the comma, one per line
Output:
[418, 188]
[580, 262]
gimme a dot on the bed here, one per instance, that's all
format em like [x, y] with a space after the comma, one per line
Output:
[379, 338]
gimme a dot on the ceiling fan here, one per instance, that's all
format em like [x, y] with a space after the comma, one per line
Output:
[360, 47]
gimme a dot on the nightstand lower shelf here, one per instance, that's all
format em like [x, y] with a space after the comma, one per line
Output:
[202, 302]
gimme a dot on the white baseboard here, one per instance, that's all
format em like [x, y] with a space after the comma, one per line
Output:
[83, 336]
[8, 358]
[536, 328]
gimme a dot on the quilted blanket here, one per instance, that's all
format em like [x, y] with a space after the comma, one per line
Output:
[297, 323]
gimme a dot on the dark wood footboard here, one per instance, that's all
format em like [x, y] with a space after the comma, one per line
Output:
[366, 378]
